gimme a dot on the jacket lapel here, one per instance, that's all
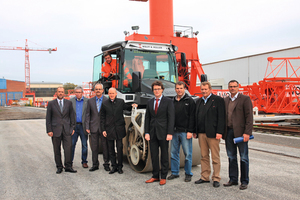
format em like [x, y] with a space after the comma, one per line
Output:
[56, 105]
[208, 103]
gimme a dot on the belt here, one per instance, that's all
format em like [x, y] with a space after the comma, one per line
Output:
[79, 123]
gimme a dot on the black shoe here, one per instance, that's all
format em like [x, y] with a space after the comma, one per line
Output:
[93, 169]
[120, 171]
[70, 170]
[59, 170]
[201, 181]
[107, 168]
[113, 170]
[216, 184]
[172, 176]
[188, 178]
[243, 186]
[230, 184]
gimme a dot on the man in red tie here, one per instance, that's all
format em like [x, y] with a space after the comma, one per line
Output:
[159, 128]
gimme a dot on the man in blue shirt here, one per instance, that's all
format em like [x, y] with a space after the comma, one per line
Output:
[79, 103]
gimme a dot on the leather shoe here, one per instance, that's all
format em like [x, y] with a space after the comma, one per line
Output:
[201, 181]
[59, 170]
[151, 180]
[70, 170]
[120, 171]
[229, 184]
[162, 182]
[107, 168]
[216, 184]
[172, 176]
[243, 186]
[85, 165]
[113, 170]
[93, 169]
[188, 178]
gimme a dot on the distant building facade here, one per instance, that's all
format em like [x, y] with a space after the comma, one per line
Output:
[11, 90]
[44, 90]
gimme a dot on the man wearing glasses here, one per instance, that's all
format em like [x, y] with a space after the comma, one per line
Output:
[239, 122]
[79, 103]
[159, 129]
[93, 127]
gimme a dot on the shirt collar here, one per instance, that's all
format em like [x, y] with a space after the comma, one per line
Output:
[58, 100]
[207, 97]
[180, 98]
[80, 99]
[160, 98]
[99, 98]
[234, 98]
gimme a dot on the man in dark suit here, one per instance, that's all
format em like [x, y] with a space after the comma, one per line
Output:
[113, 127]
[159, 129]
[239, 122]
[60, 124]
[210, 126]
[92, 125]
[79, 103]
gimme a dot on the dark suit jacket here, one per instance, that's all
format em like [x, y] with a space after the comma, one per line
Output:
[242, 115]
[56, 121]
[161, 123]
[214, 116]
[112, 118]
[92, 117]
[85, 100]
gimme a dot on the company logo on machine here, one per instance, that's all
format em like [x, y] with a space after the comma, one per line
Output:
[148, 46]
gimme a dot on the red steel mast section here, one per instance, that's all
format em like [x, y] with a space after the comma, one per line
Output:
[27, 63]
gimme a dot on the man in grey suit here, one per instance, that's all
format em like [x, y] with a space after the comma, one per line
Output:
[60, 125]
[92, 125]
[239, 123]
[79, 106]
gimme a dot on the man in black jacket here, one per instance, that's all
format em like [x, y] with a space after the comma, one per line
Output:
[183, 132]
[113, 127]
[210, 126]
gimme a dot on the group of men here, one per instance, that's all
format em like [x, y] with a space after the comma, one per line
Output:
[101, 117]
[210, 119]
[178, 120]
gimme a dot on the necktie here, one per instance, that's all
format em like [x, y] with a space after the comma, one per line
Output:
[98, 105]
[61, 106]
[156, 105]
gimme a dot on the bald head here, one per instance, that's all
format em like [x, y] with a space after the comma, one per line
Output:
[112, 93]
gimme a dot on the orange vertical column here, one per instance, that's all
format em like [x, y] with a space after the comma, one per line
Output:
[161, 17]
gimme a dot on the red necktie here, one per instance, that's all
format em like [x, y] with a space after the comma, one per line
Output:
[156, 105]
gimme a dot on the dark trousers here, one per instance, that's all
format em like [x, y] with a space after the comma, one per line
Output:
[155, 144]
[95, 148]
[112, 153]
[104, 143]
[231, 149]
[66, 141]
[83, 137]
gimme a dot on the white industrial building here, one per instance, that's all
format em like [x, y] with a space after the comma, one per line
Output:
[248, 69]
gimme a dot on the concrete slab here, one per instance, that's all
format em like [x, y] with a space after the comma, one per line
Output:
[28, 172]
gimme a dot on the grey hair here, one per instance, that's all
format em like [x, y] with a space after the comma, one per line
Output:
[78, 88]
[98, 84]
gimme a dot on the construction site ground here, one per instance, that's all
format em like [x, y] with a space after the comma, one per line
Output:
[24, 112]
[28, 170]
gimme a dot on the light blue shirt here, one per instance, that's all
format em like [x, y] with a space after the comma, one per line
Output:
[79, 107]
[100, 102]
[62, 102]
[205, 100]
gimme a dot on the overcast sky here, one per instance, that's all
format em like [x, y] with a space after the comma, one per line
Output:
[227, 29]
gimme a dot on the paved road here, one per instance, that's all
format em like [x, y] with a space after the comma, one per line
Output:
[27, 171]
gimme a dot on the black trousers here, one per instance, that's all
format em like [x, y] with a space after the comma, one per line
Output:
[112, 153]
[95, 149]
[155, 144]
[66, 141]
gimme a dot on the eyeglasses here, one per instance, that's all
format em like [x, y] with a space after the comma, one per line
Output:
[233, 86]
[157, 89]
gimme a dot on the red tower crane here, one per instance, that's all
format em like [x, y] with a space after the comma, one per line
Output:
[27, 63]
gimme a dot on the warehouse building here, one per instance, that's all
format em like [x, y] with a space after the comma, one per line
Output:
[44, 91]
[11, 90]
[248, 69]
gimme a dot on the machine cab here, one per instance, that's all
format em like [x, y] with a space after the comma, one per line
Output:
[150, 61]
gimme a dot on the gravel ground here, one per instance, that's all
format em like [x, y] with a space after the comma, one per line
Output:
[16, 112]
[27, 171]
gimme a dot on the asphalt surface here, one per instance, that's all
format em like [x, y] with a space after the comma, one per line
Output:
[27, 171]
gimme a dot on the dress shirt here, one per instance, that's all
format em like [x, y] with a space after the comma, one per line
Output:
[79, 106]
[234, 98]
[62, 102]
[158, 102]
[205, 100]
[100, 102]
